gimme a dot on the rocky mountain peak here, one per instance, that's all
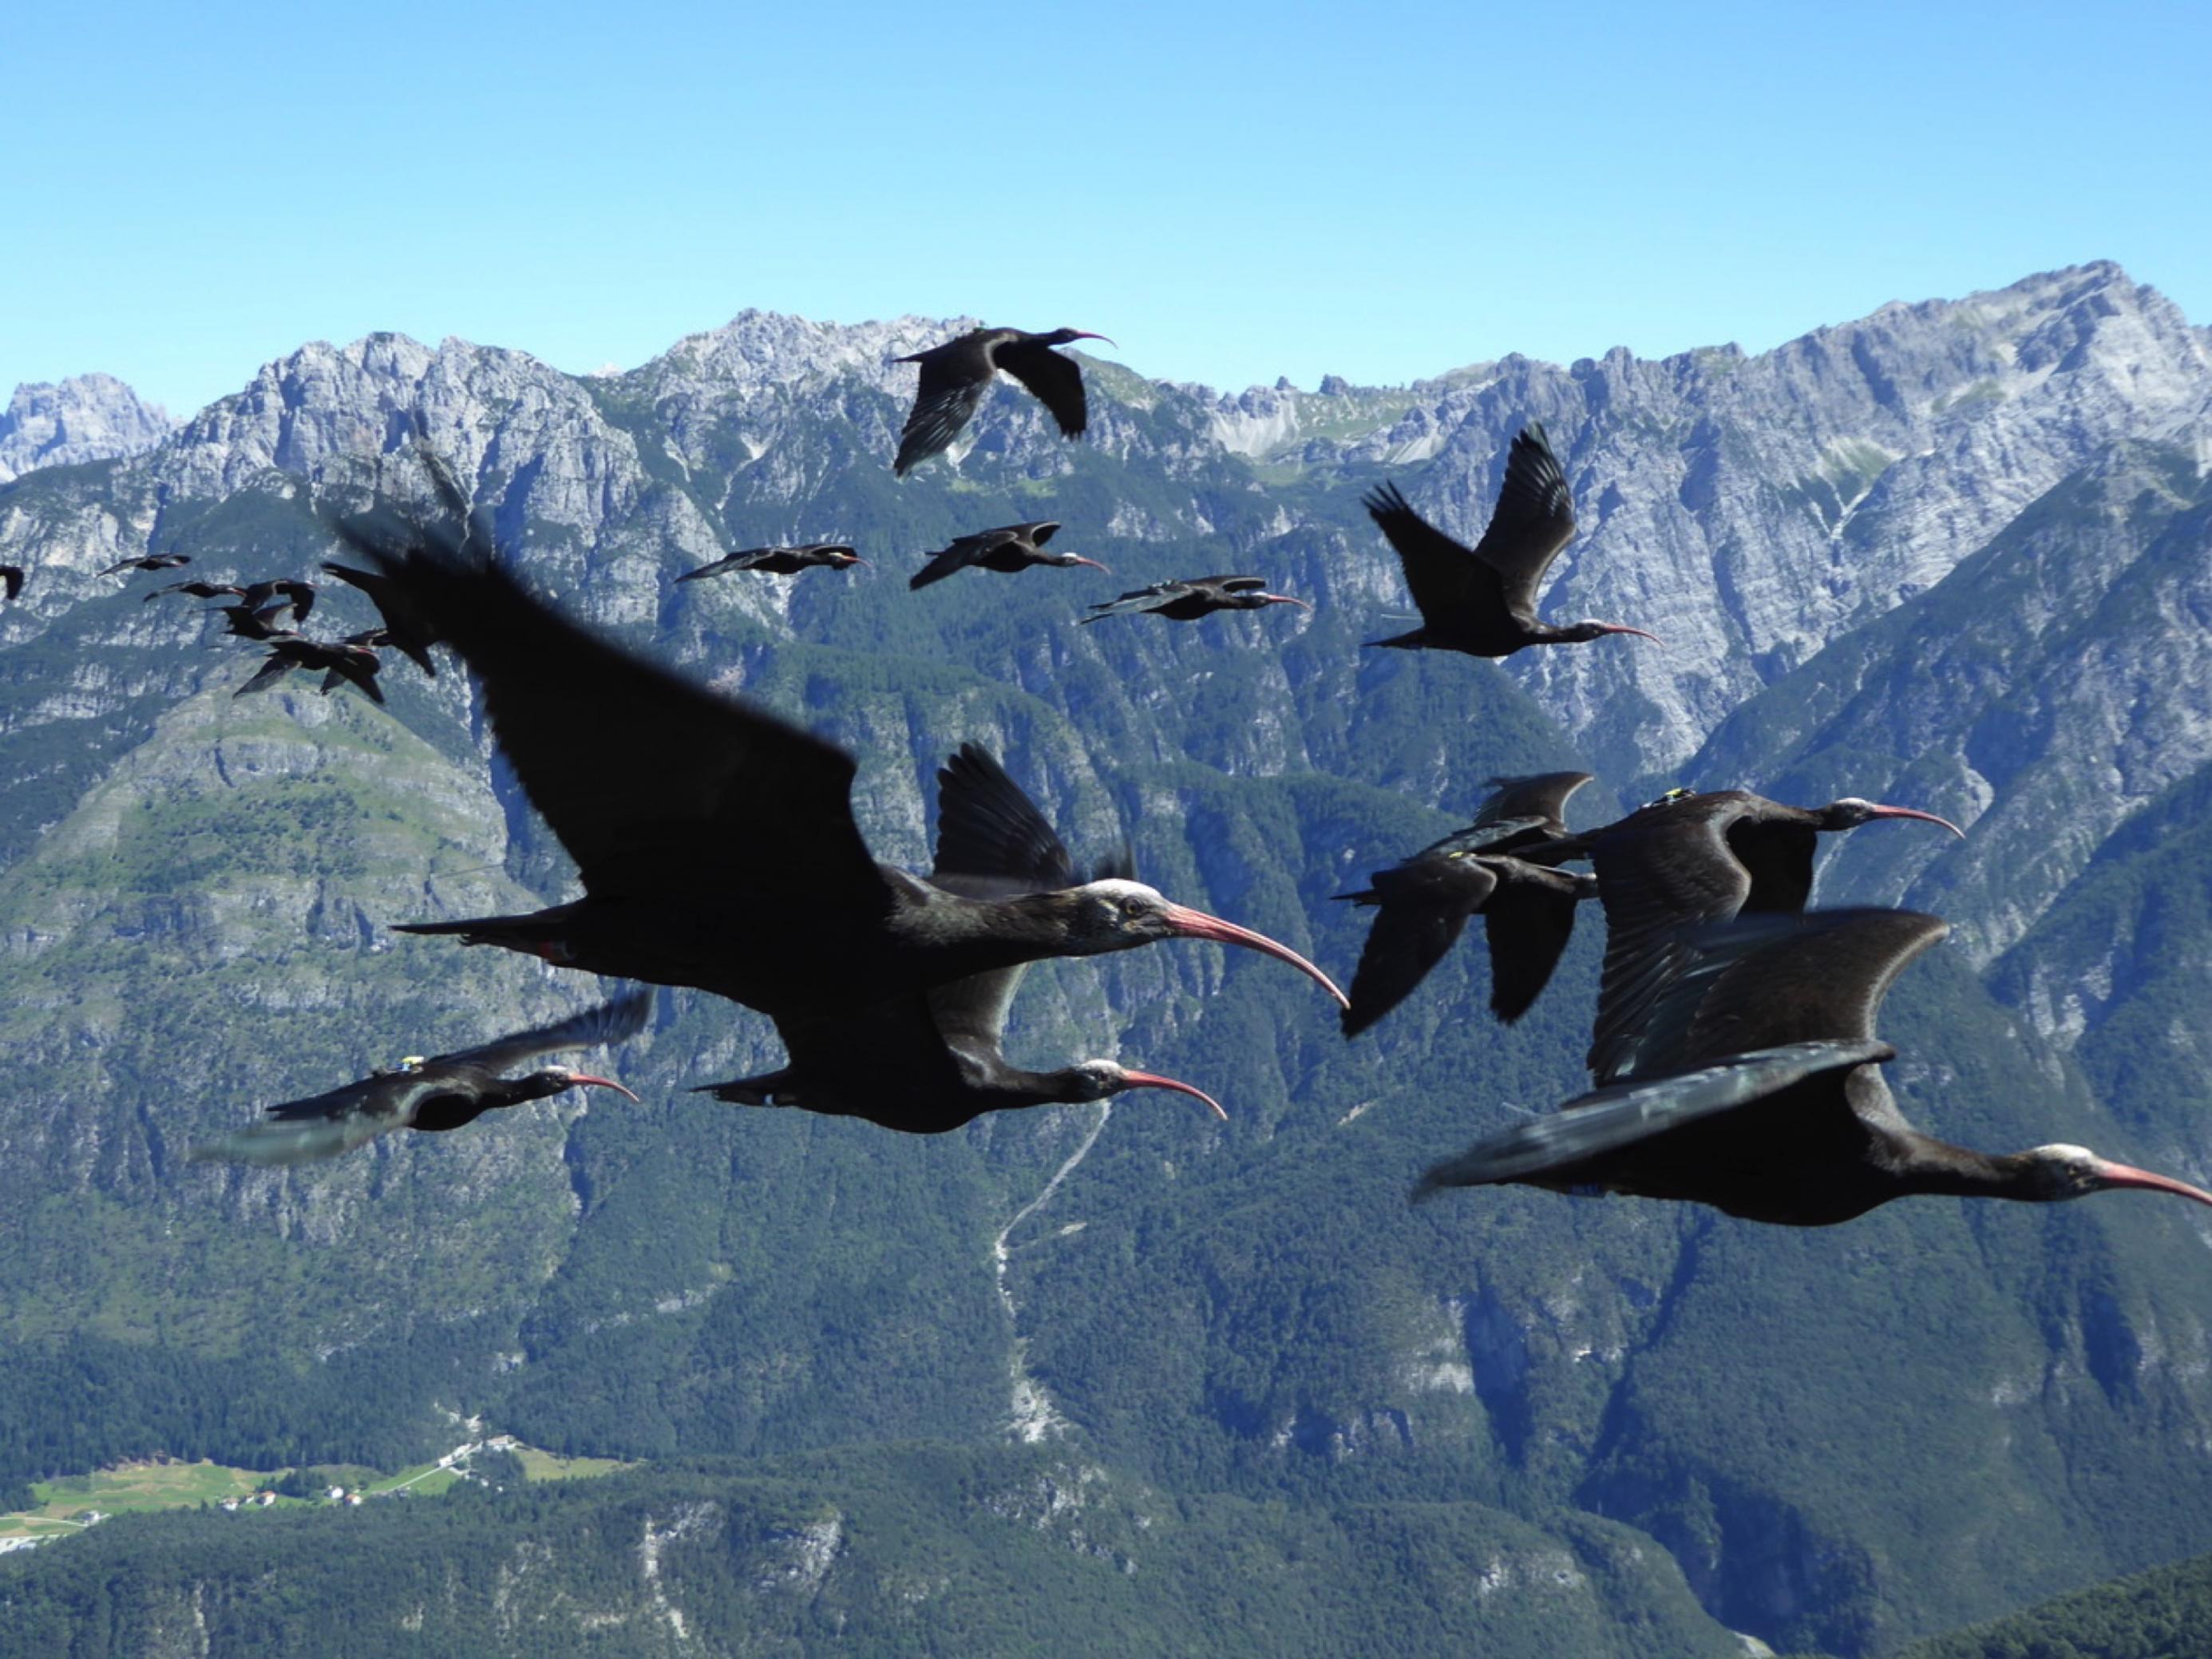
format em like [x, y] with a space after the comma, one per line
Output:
[87, 417]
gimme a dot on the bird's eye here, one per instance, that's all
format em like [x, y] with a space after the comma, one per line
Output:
[1131, 907]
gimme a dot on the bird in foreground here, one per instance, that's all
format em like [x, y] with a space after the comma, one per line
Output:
[12, 576]
[956, 375]
[432, 1095]
[929, 1062]
[1527, 907]
[1010, 549]
[1482, 600]
[781, 561]
[339, 664]
[1200, 596]
[1761, 1093]
[715, 842]
[1693, 858]
[403, 630]
[150, 562]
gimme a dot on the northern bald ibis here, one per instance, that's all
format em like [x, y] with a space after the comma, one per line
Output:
[781, 561]
[931, 1061]
[1482, 600]
[1200, 596]
[716, 843]
[199, 590]
[244, 623]
[12, 576]
[1760, 1092]
[1689, 858]
[403, 630]
[150, 562]
[432, 1095]
[1010, 549]
[1527, 908]
[339, 665]
[955, 376]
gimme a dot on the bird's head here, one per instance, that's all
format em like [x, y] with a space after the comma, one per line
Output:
[1119, 915]
[1255, 600]
[2054, 1174]
[1096, 1079]
[1061, 337]
[843, 557]
[555, 1079]
[1581, 633]
[1851, 811]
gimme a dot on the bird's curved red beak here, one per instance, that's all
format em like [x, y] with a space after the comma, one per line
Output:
[2122, 1175]
[1085, 334]
[1093, 564]
[1914, 812]
[1284, 599]
[1623, 628]
[1154, 1080]
[1196, 924]
[584, 1081]
[852, 558]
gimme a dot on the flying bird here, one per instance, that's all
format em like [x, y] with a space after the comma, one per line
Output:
[1200, 596]
[199, 590]
[1009, 550]
[931, 1061]
[403, 629]
[151, 562]
[1527, 907]
[12, 577]
[715, 842]
[955, 376]
[434, 1095]
[781, 561]
[1759, 1091]
[1692, 859]
[339, 665]
[1482, 600]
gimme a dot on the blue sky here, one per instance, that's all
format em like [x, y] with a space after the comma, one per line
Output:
[1233, 191]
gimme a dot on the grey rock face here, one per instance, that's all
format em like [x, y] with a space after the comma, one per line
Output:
[87, 417]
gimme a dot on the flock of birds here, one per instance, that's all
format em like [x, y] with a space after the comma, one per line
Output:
[1734, 1054]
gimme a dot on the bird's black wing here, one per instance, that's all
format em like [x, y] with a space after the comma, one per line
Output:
[322, 1126]
[1528, 922]
[1055, 381]
[1425, 904]
[1495, 836]
[745, 560]
[654, 784]
[1534, 519]
[886, 1062]
[946, 401]
[1443, 576]
[410, 629]
[966, 551]
[1143, 598]
[302, 597]
[989, 828]
[1661, 871]
[13, 576]
[273, 669]
[608, 1024]
[1607, 1119]
[359, 672]
[1539, 795]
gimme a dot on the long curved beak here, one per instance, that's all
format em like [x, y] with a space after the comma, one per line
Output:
[1284, 599]
[582, 1080]
[2122, 1175]
[1925, 818]
[1154, 1080]
[1196, 924]
[1084, 334]
[1622, 628]
[1093, 564]
[852, 558]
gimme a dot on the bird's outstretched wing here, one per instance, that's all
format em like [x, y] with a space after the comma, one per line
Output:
[1534, 520]
[956, 558]
[608, 1024]
[1143, 598]
[406, 629]
[946, 400]
[1444, 576]
[1539, 795]
[888, 1063]
[1528, 923]
[321, 1125]
[1425, 904]
[1607, 1119]
[12, 575]
[273, 669]
[1055, 381]
[990, 834]
[655, 785]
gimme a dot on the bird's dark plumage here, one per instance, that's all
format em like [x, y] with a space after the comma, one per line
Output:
[151, 562]
[12, 577]
[1199, 596]
[956, 375]
[1481, 600]
[339, 665]
[780, 560]
[1010, 549]
[433, 1095]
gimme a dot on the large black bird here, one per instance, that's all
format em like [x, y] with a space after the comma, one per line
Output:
[403, 629]
[432, 1095]
[150, 562]
[1759, 1091]
[338, 665]
[1010, 549]
[955, 376]
[1482, 600]
[716, 843]
[1691, 859]
[1527, 907]
[1200, 596]
[781, 561]
[931, 1061]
